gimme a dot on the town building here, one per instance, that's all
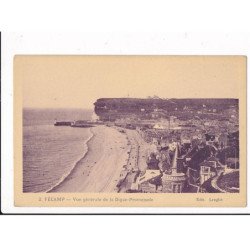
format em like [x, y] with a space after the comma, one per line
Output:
[175, 181]
[149, 181]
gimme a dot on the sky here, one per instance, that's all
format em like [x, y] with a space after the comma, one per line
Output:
[78, 81]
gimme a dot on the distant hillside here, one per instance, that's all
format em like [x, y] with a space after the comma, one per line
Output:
[111, 108]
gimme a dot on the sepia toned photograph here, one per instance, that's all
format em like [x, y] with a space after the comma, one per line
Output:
[133, 145]
[133, 125]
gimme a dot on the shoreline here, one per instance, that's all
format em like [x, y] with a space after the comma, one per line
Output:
[75, 165]
[99, 169]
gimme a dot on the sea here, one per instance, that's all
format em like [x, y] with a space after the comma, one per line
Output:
[51, 152]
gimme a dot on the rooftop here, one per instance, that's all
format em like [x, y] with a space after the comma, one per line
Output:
[148, 175]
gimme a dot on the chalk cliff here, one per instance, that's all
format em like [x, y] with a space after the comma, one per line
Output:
[113, 108]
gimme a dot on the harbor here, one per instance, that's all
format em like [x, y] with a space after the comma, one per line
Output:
[78, 124]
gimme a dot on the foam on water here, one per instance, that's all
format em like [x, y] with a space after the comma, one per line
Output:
[50, 153]
[67, 174]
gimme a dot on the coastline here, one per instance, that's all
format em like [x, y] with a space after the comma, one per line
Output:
[66, 176]
[99, 169]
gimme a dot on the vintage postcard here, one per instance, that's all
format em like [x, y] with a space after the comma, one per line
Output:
[130, 131]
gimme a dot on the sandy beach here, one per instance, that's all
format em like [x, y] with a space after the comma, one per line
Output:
[100, 169]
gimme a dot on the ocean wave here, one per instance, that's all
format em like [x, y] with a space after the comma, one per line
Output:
[68, 174]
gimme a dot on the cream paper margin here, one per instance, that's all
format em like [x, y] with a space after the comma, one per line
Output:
[140, 199]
